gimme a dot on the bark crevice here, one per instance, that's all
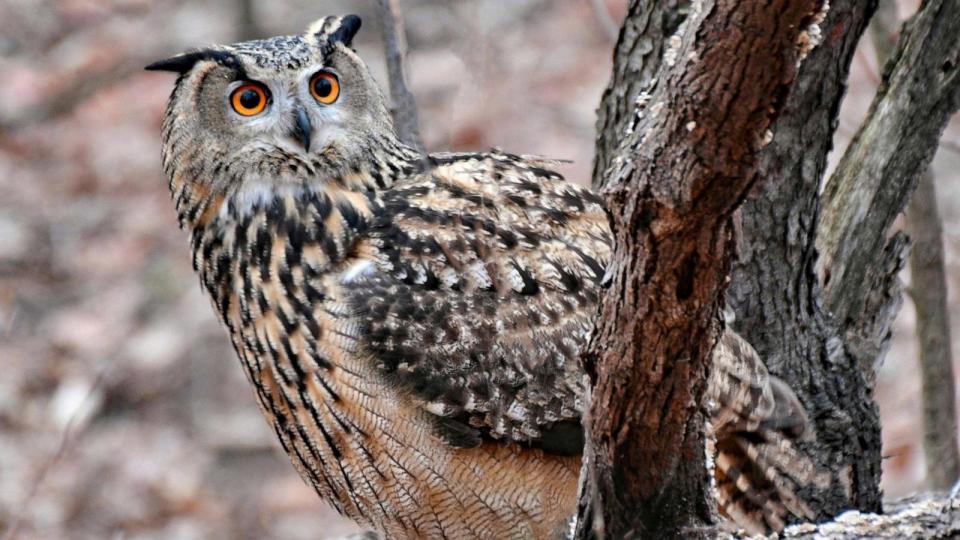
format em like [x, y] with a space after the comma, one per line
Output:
[693, 137]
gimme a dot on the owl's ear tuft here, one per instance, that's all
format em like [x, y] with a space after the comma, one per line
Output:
[180, 63]
[349, 26]
[335, 29]
[183, 63]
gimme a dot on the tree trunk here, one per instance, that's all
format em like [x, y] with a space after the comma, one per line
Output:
[775, 291]
[688, 159]
[929, 292]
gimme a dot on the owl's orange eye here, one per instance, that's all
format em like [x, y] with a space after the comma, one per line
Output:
[325, 87]
[249, 99]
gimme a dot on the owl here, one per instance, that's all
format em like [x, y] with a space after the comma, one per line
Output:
[410, 323]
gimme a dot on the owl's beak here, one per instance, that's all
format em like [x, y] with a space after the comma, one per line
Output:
[303, 128]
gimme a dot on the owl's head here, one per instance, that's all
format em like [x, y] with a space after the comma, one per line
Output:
[253, 117]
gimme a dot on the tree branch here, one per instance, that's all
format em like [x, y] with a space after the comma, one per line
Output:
[636, 60]
[775, 292]
[929, 293]
[687, 161]
[404, 106]
[926, 517]
[873, 182]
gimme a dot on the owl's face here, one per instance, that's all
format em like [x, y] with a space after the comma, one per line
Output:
[262, 113]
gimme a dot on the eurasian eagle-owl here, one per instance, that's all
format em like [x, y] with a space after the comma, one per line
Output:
[411, 324]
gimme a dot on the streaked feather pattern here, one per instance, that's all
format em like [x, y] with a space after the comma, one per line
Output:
[412, 324]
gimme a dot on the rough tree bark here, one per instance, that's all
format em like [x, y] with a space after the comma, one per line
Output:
[636, 60]
[929, 293]
[775, 289]
[874, 180]
[687, 160]
[775, 292]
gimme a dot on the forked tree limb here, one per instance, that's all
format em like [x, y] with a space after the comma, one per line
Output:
[686, 163]
[929, 293]
[776, 293]
[877, 174]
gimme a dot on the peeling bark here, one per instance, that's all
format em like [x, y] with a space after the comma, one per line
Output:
[919, 92]
[687, 161]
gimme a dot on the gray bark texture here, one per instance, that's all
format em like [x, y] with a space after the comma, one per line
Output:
[925, 517]
[636, 61]
[775, 292]
[859, 263]
[929, 293]
[687, 156]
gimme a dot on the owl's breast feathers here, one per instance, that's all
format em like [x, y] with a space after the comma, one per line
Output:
[484, 289]
[400, 339]
[416, 347]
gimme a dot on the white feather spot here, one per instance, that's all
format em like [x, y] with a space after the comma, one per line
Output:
[357, 271]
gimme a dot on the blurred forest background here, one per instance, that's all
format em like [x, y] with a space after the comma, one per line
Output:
[123, 412]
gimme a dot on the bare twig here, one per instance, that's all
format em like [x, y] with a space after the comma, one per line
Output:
[605, 20]
[404, 107]
[68, 436]
[247, 24]
[775, 293]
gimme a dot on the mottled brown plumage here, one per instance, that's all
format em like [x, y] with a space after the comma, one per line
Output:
[412, 324]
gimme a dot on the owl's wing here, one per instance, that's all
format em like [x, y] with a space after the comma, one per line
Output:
[756, 419]
[475, 292]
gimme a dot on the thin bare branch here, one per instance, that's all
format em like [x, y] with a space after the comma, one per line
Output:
[604, 19]
[929, 293]
[404, 108]
[248, 26]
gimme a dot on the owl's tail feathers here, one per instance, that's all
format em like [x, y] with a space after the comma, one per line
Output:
[759, 467]
[759, 479]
